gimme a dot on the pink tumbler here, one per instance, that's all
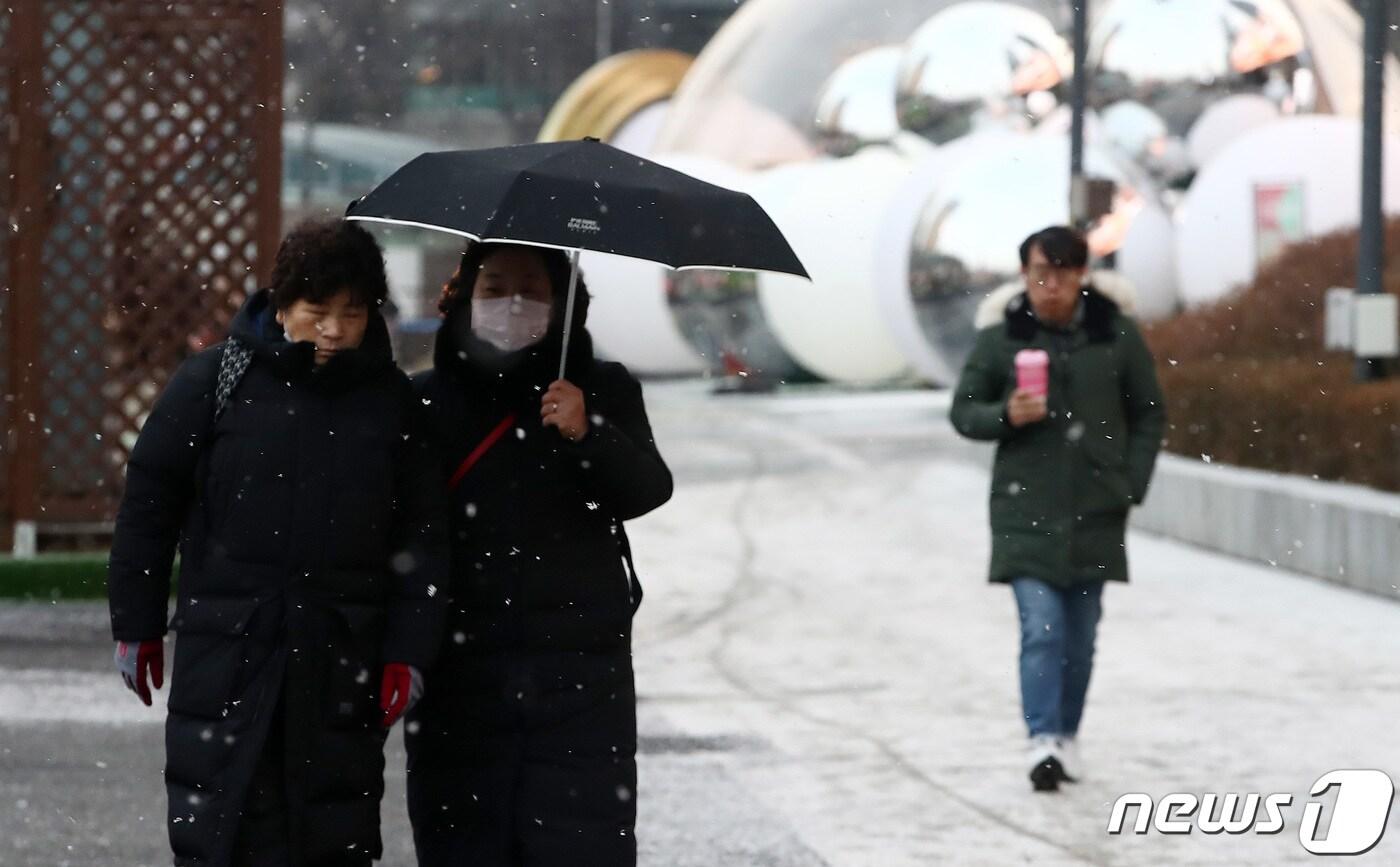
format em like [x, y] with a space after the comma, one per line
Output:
[1033, 371]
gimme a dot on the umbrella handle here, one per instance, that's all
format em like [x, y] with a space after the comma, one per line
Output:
[569, 310]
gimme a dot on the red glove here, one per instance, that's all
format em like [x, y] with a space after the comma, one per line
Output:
[136, 661]
[399, 692]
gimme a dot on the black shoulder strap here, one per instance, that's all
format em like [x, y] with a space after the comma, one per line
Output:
[233, 363]
[635, 595]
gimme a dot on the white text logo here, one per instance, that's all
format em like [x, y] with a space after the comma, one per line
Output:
[1358, 818]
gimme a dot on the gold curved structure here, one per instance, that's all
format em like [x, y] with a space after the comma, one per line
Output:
[601, 100]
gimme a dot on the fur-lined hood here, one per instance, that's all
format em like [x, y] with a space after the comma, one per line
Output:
[1110, 284]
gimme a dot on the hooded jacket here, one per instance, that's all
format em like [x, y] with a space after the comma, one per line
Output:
[1062, 487]
[310, 523]
[535, 669]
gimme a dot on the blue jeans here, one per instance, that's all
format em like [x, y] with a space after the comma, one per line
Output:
[1057, 651]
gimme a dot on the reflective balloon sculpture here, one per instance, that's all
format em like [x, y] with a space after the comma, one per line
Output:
[908, 146]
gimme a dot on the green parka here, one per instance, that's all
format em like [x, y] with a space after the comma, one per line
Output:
[1062, 487]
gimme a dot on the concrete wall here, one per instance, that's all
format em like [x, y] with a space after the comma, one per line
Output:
[1342, 533]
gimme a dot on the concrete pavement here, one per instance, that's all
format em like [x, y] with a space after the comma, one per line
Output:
[825, 678]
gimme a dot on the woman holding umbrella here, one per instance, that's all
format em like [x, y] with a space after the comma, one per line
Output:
[523, 749]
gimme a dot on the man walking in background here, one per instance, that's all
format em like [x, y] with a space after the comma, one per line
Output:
[1065, 385]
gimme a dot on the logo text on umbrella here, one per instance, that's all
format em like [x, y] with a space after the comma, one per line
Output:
[579, 224]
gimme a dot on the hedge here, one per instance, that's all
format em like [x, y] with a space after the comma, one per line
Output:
[1248, 382]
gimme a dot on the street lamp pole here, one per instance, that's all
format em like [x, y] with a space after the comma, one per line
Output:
[603, 28]
[1371, 255]
[1079, 89]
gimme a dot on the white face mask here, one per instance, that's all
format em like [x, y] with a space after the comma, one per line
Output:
[510, 323]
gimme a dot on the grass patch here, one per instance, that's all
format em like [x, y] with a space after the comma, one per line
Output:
[54, 576]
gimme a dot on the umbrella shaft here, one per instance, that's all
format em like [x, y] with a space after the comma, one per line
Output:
[569, 310]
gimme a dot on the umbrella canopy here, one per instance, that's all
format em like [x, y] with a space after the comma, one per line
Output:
[581, 195]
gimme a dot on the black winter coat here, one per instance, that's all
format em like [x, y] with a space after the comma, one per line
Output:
[313, 550]
[538, 642]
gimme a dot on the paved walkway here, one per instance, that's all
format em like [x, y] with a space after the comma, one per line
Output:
[825, 678]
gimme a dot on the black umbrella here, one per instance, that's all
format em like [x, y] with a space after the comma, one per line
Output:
[581, 195]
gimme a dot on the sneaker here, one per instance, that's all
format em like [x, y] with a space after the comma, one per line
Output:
[1067, 750]
[1046, 770]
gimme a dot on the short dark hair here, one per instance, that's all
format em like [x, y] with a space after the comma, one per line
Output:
[556, 265]
[1064, 246]
[320, 258]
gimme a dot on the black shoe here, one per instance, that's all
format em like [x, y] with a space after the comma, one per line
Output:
[1047, 775]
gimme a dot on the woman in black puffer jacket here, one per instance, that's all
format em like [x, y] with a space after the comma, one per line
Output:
[313, 542]
[523, 749]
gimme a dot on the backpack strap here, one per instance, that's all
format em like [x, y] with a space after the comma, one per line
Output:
[232, 365]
